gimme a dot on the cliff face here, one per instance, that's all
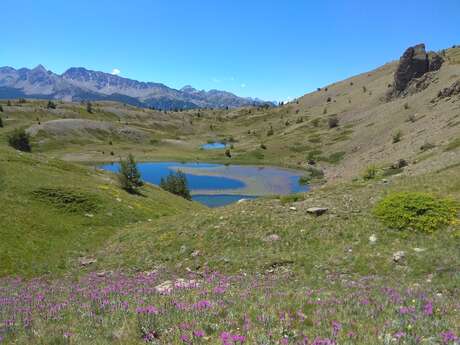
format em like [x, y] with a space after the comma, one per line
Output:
[413, 64]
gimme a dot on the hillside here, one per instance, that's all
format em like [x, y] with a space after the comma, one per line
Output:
[54, 212]
[420, 127]
[368, 256]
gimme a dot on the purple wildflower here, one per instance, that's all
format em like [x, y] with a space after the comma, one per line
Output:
[147, 310]
[398, 335]
[229, 339]
[201, 305]
[428, 308]
[448, 337]
[185, 338]
[406, 310]
[336, 327]
[198, 333]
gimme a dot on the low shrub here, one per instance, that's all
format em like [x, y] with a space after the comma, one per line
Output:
[270, 131]
[397, 137]
[416, 211]
[287, 199]
[20, 140]
[392, 171]
[427, 146]
[333, 158]
[370, 172]
[315, 122]
[72, 201]
[333, 122]
[454, 144]
[312, 175]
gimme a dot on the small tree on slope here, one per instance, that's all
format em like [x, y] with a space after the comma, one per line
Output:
[176, 183]
[129, 175]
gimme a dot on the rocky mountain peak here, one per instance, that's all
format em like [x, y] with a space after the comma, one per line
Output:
[78, 83]
[188, 89]
[39, 68]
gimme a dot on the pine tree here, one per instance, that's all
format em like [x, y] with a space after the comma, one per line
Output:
[129, 175]
[176, 183]
[51, 105]
[1, 108]
[1, 123]
[89, 107]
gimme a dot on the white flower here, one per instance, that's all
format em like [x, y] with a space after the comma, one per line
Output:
[372, 238]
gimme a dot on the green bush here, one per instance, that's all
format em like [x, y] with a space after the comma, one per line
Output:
[416, 211]
[20, 140]
[290, 198]
[176, 183]
[454, 144]
[270, 131]
[312, 175]
[370, 172]
[397, 137]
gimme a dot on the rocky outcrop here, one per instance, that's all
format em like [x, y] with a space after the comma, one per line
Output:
[317, 211]
[450, 91]
[414, 63]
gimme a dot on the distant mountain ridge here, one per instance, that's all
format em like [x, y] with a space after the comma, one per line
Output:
[81, 84]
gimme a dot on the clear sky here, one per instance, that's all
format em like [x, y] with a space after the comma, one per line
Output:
[269, 49]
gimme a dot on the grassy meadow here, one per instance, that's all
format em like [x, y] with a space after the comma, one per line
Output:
[84, 262]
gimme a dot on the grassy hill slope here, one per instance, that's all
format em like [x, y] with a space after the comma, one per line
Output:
[268, 235]
[53, 212]
[168, 271]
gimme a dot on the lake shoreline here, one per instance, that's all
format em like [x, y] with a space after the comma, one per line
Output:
[212, 180]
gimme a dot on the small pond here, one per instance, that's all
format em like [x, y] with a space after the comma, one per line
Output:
[214, 146]
[217, 185]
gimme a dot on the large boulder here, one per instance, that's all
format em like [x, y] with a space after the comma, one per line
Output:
[413, 64]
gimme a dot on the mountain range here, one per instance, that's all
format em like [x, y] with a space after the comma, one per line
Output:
[81, 84]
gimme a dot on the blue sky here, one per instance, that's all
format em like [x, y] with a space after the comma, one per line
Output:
[269, 49]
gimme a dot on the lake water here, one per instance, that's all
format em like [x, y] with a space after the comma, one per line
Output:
[214, 146]
[217, 185]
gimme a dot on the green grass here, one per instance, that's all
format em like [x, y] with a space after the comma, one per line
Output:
[232, 239]
[52, 212]
[453, 145]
